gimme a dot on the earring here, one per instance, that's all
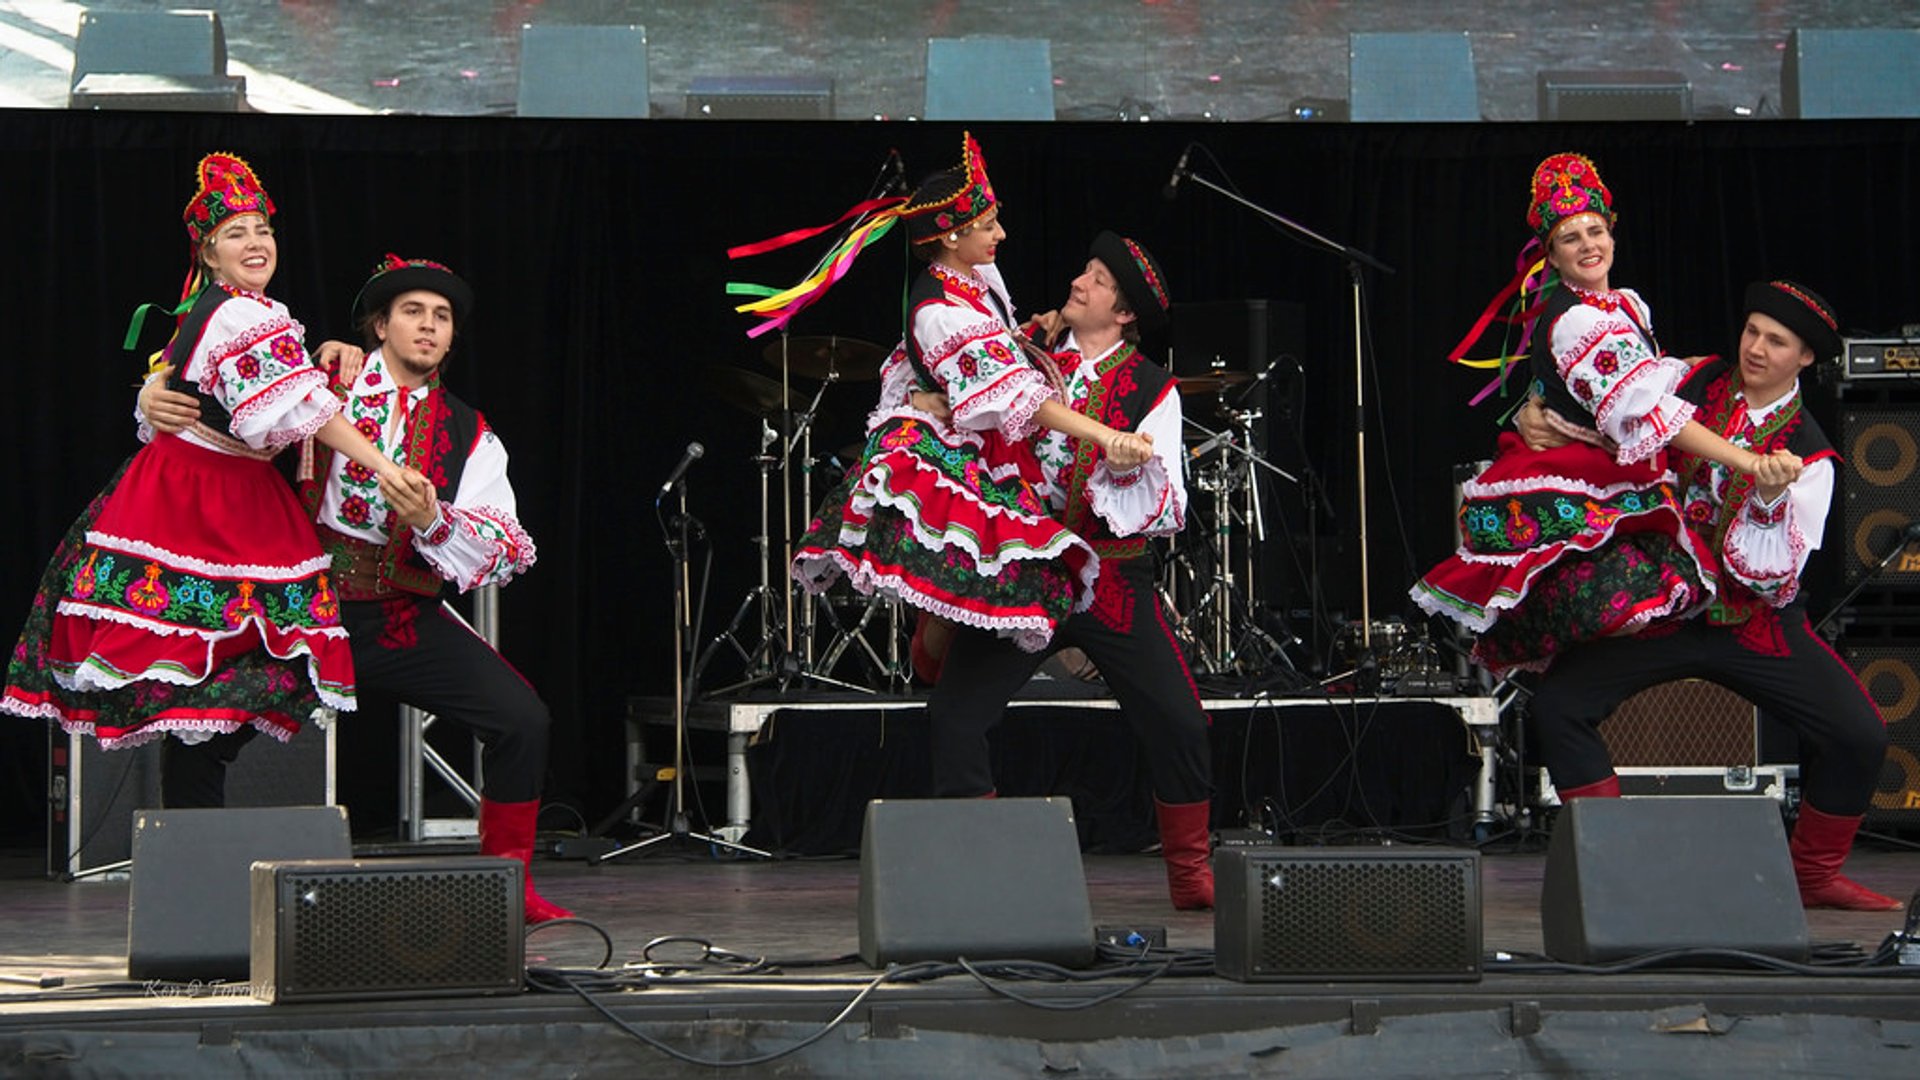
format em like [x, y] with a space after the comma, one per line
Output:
[954, 236]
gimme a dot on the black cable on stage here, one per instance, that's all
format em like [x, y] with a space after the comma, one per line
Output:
[1678, 960]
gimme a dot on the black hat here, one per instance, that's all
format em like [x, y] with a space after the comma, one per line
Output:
[1800, 310]
[396, 275]
[1137, 274]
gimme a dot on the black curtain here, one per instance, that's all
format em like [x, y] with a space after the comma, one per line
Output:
[597, 250]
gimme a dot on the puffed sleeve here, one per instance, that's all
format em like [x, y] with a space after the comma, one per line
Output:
[251, 360]
[1767, 546]
[1610, 368]
[898, 380]
[1149, 500]
[988, 383]
[477, 538]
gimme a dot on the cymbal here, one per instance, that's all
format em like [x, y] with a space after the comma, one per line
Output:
[746, 390]
[849, 359]
[760, 396]
[1214, 383]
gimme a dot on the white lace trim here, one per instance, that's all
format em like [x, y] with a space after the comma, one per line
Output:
[142, 549]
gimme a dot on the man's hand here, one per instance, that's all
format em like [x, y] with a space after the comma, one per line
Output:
[1772, 473]
[342, 362]
[1129, 449]
[932, 402]
[168, 411]
[412, 497]
[1043, 328]
[1531, 423]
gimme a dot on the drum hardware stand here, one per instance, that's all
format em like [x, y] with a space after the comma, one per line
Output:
[677, 531]
[1226, 603]
[1354, 259]
[773, 657]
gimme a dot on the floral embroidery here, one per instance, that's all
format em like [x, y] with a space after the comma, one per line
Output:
[83, 579]
[288, 351]
[248, 366]
[355, 510]
[148, 594]
[242, 607]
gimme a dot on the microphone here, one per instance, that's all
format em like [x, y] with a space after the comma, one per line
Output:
[693, 454]
[1911, 534]
[1172, 189]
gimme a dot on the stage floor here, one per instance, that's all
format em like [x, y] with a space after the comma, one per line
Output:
[801, 915]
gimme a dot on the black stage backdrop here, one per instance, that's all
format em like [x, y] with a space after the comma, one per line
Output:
[597, 249]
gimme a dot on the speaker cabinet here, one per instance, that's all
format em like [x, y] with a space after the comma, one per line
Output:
[989, 78]
[1830, 74]
[1685, 722]
[168, 60]
[583, 71]
[1880, 490]
[95, 792]
[355, 929]
[760, 97]
[1891, 673]
[985, 879]
[1627, 877]
[1329, 914]
[1411, 77]
[1614, 95]
[187, 906]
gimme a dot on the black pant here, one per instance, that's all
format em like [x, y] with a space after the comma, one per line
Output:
[412, 649]
[1126, 635]
[1842, 737]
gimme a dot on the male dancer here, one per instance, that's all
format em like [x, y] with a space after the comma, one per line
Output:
[394, 549]
[1121, 292]
[1755, 638]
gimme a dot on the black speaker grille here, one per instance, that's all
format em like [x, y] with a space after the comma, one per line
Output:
[1891, 674]
[1881, 495]
[1367, 916]
[370, 931]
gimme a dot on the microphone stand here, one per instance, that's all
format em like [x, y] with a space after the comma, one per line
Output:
[677, 530]
[1354, 259]
[1908, 537]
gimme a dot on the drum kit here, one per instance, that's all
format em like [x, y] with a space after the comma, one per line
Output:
[784, 644]
[782, 636]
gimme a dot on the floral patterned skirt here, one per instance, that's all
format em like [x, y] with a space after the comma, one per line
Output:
[189, 596]
[950, 523]
[1564, 546]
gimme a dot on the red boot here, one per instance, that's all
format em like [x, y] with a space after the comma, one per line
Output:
[928, 651]
[1820, 844]
[1605, 788]
[1184, 845]
[507, 830]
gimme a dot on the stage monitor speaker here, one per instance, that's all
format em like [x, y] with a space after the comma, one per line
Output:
[989, 78]
[1833, 74]
[583, 71]
[160, 93]
[1880, 491]
[1613, 95]
[357, 929]
[1411, 77]
[1324, 914]
[187, 907]
[1627, 877]
[93, 792]
[1684, 722]
[760, 97]
[149, 43]
[1891, 673]
[984, 879]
